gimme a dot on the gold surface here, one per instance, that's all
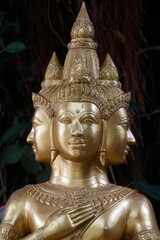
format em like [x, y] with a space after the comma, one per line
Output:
[80, 126]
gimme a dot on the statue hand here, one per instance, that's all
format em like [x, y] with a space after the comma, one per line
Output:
[63, 222]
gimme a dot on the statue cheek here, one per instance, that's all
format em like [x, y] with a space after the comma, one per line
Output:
[60, 130]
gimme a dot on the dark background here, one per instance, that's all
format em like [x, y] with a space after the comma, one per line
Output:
[129, 31]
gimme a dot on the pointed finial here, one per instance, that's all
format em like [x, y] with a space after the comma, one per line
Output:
[109, 71]
[53, 72]
[81, 62]
[82, 28]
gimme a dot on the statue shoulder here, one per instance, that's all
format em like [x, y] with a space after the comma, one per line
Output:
[14, 213]
[140, 215]
[17, 198]
[140, 203]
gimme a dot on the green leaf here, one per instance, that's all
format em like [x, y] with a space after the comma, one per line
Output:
[12, 132]
[15, 47]
[157, 110]
[45, 174]
[29, 163]
[2, 191]
[152, 190]
[11, 154]
[1, 18]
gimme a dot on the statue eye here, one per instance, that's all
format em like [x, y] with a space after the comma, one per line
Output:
[125, 126]
[87, 121]
[65, 121]
[35, 124]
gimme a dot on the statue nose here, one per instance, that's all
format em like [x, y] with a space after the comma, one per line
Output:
[131, 138]
[76, 128]
[30, 137]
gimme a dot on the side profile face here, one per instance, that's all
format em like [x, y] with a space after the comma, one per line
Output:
[78, 129]
[119, 137]
[40, 136]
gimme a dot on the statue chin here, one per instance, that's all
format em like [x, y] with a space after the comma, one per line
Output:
[80, 126]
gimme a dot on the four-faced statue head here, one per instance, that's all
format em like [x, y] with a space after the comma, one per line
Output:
[79, 130]
[94, 122]
[88, 105]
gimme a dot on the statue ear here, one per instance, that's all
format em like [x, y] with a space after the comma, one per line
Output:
[103, 143]
[52, 139]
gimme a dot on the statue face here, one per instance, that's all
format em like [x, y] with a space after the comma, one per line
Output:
[119, 137]
[40, 136]
[78, 129]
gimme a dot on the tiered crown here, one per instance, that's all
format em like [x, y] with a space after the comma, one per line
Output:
[81, 78]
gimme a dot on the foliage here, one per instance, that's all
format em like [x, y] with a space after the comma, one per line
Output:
[11, 132]
[152, 190]
[16, 156]
[14, 47]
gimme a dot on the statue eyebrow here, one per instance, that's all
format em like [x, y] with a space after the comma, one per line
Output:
[65, 113]
[89, 114]
[36, 119]
[124, 120]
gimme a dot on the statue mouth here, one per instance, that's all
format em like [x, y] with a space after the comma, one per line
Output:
[77, 143]
[127, 149]
[33, 148]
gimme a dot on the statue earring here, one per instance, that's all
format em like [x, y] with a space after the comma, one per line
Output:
[52, 148]
[53, 153]
[102, 156]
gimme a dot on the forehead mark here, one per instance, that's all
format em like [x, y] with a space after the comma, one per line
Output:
[77, 110]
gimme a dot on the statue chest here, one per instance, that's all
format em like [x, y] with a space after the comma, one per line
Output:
[108, 226]
[108, 223]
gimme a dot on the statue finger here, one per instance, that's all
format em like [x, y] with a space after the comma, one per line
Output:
[81, 221]
[79, 212]
[82, 216]
[65, 210]
[81, 208]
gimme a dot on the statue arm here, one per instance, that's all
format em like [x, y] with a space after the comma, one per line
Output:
[14, 225]
[141, 220]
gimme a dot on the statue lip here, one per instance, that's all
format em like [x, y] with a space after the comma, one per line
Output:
[127, 148]
[77, 143]
[33, 147]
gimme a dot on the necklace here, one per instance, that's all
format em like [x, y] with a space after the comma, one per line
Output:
[60, 196]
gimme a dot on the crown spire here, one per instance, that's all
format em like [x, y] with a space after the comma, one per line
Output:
[53, 72]
[83, 27]
[81, 63]
[109, 71]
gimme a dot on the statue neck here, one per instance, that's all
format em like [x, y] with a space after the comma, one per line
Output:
[78, 174]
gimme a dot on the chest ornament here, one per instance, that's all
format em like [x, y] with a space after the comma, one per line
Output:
[59, 196]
